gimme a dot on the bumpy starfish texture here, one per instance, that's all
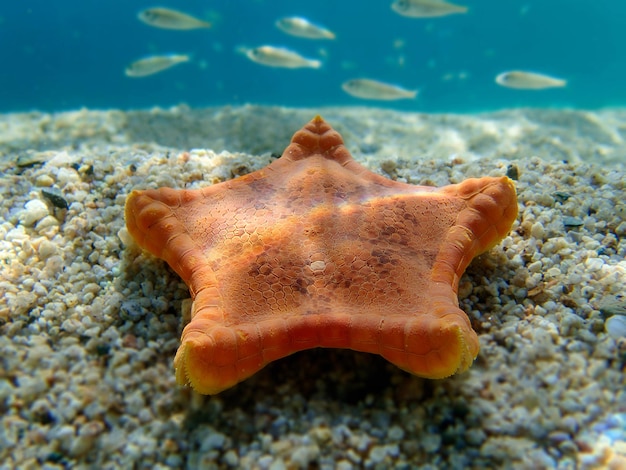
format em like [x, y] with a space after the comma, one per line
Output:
[315, 250]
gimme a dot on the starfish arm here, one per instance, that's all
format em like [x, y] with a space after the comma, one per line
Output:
[491, 209]
[152, 220]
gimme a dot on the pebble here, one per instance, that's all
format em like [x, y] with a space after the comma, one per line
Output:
[34, 211]
[379, 453]
[537, 231]
[431, 443]
[231, 458]
[572, 221]
[395, 433]
[132, 310]
[616, 326]
[303, 456]
[44, 181]
[46, 249]
[594, 264]
[215, 440]
[553, 272]
[67, 175]
[344, 465]
[46, 223]
[267, 461]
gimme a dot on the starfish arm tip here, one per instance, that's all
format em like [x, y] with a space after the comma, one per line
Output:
[451, 348]
[195, 366]
[213, 358]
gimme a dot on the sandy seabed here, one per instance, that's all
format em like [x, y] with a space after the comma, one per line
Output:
[89, 324]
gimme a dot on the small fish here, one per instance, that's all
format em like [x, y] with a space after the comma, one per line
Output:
[171, 19]
[375, 90]
[426, 8]
[301, 27]
[528, 80]
[280, 57]
[153, 64]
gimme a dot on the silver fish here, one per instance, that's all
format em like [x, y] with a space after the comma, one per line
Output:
[426, 8]
[153, 64]
[167, 18]
[522, 80]
[374, 90]
[301, 27]
[280, 57]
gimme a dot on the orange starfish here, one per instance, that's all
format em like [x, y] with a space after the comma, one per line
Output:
[315, 250]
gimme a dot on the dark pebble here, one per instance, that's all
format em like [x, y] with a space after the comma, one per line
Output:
[132, 310]
[30, 158]
[512, 171]
[561, 196]
[103, 349]
[55, 457]
[55, 197]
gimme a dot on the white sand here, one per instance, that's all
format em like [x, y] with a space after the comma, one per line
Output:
[89, 326]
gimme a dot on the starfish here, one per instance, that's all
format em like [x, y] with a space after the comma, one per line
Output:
[315, 250]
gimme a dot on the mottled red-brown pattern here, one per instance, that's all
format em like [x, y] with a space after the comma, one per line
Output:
[315, 250]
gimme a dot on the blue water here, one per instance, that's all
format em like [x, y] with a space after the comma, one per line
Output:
[68, 54]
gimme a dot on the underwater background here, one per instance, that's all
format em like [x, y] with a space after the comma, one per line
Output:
[68, 54]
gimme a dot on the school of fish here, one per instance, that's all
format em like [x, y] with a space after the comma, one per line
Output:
[366, 88]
